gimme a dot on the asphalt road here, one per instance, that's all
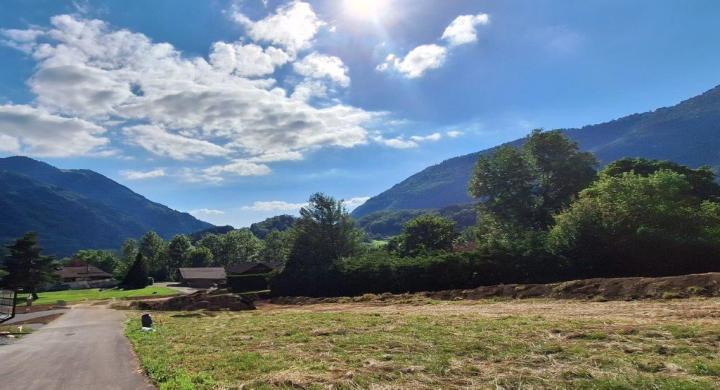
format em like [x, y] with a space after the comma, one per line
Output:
[83, 349]
[20, 317]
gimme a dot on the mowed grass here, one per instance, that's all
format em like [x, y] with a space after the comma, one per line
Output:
[437, 345]
[94, 294]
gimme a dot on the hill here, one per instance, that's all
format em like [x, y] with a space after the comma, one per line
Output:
[688, 133]
[78, 209]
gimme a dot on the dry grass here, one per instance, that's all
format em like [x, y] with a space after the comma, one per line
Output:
[481, 344]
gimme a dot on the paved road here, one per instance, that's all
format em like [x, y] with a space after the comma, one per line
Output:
[83, 349]
[177, 286]
[20, 317]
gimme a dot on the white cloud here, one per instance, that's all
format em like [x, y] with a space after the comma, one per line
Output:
[23, 40]
[157, 140]
[319, 66]
[396, 143]
[205, 212]
[246, 60]
[293, 26]
[142, 175]
[353, 203]
[183, 107]
[238, 168]
[462, 30]
[429, 137]
[309, 89]
[274, 205]
[454, 133]
[33, 131]
[417, 61]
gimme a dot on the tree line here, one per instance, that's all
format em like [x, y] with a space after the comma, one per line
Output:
[544, 213]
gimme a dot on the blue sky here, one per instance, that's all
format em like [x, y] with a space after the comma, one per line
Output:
[239, 110]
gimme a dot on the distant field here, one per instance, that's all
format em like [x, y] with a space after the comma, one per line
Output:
[74, 296]
[670, 344]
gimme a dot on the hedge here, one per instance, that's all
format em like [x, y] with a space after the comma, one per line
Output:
[245, 283]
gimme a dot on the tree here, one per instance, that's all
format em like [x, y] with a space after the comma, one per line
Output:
[199, 257]
[105, 260]
[324, 234]
[177, 253]
[701, 180]
[639, 225]
[276, 246]
[27, 269]
[138, 275]
[213, 242]
[238, 246]
[426, 233]
[525, 188]
[152, 247]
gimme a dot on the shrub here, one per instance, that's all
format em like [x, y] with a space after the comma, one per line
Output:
[245, 283]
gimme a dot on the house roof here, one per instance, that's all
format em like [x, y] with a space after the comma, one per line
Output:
[82, 272]
[249, 267]
[203, 273]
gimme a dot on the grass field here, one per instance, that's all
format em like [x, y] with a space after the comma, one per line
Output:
[672, 344]
[74, 296]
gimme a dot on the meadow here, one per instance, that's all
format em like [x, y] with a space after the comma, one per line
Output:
[94, 294]
[427, 344]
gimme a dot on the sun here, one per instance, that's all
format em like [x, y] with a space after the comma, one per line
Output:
[365, 9]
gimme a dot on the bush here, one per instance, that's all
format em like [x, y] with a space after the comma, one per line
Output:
[245, 283]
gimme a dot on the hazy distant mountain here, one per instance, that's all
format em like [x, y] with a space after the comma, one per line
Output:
[78, 209]
[688, 133]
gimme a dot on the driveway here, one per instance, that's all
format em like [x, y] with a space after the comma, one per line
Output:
[83, 349]
[22, 317]
[179, 287]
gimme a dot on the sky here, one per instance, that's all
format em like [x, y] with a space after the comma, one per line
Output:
[237, 110]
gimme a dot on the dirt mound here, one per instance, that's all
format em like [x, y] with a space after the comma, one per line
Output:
[199, 300]
[601, 289]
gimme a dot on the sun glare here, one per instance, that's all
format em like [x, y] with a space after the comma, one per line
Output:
[365, 9]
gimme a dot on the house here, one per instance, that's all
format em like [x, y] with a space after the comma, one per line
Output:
[249, 268]
[203, 277]
[80, 277]
[85, 273]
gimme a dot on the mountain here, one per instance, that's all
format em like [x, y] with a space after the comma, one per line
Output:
[78, 209]
[386, 223]
[280, 223]
[687, 133]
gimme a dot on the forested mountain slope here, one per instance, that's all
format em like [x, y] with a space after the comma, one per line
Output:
[78, 209]
[688, 133]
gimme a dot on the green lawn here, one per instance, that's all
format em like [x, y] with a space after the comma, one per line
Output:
[449, 345]
[74, 296]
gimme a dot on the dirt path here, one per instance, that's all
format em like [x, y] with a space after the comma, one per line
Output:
[83, 349]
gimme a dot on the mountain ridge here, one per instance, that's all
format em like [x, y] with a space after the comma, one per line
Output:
[688, 133]
[74, 209]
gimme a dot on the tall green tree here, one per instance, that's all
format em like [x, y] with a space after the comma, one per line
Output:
[178, 251]
[137, 275]
[701, 180]
[107, 261]
[426, 233]
[213, 242]
[524, 188]
[152, 247]
[238, 246]
[199, 257]
[27, 268]
[276, 246]
[324, 234]
[639, 225]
